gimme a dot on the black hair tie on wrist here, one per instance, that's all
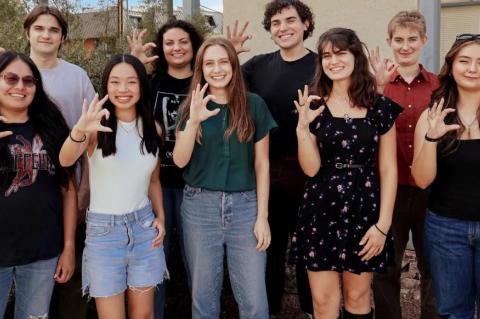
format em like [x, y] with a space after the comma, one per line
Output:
[78, 141]
[381, 231]
[429, 139]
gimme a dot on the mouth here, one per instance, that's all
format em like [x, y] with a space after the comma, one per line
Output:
[123, 99]
[285, 36]
[218, 77]
[336, 69]
[178, 55]
[17, 95]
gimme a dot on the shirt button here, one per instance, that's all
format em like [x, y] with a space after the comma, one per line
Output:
[409, 105]
[409, 125]
[409, 145]
[408, 88]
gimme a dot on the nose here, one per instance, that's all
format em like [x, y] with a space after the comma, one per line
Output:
[283, 25]
[176, 46]
[405, 45]
[123, 87]
[473, 67]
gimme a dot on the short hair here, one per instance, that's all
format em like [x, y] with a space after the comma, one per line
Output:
[408, 19]
[304, 12]
[44, 9]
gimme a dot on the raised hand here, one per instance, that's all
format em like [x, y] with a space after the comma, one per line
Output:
[91, 117]
[138, 49]
[436, 120]
[238, 39]
[305, 114]
[4, 133]
[383, 69]
[198, 106]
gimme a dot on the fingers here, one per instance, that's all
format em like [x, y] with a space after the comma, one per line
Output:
[229, 34]
[141, 35]
[452, 127]
[3, 119]
[263, 239]
[5, 134]
[100, 103]
[244, 28]
[318, 111]
[235, 27]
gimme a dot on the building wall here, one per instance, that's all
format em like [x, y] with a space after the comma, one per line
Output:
[368, 17]
[457, 20]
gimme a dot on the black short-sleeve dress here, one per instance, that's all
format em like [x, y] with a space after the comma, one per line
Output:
[341, 202]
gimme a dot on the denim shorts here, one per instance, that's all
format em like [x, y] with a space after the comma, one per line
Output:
[118, 253]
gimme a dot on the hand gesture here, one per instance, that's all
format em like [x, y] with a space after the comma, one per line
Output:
[238, 39]
[91, 117]
[305, 114]
[436, 120]
[261, 230]
[160, 226]
[4, 133]
[373, 243]
[2, 50]
[138, 49]
[383, 69]
[65, 266]
[198, 106]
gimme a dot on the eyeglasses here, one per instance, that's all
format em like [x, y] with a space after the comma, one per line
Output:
[467, 37]
[12, 79]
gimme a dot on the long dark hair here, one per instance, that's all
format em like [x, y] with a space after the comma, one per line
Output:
[240, 119]
[161, 65]
[47, 121]
[449, 92]
[150, 140]
[362, 90]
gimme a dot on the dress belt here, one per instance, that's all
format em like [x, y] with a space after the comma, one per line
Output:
[347, 166]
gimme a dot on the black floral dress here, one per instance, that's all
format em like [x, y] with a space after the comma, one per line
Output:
[340, 204]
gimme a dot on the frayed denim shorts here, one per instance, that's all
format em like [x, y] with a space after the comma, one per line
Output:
[118, 253]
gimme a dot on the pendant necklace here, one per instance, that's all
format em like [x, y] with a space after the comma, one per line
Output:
[467, 125]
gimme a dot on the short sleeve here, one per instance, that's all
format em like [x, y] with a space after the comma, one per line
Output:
[385, 112]
[262, 118]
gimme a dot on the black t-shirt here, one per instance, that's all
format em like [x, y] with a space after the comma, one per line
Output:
[277, 82]
[30, 201]
[168, 95]
[456, 188]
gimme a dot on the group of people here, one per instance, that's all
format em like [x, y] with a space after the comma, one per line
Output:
[341, 151]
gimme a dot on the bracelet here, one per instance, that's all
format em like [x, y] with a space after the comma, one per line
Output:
[381, 231]
[78, 141]
[429, 139]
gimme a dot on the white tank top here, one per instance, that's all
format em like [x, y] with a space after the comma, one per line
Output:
[119, 183]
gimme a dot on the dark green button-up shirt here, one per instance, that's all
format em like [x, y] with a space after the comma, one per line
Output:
[226, 164]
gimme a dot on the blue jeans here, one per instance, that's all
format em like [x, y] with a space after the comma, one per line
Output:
[33, 288]
[452, 249]
[216, 223]
[172, 201]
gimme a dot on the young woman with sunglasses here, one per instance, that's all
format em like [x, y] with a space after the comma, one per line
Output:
[123, 256]
[447, 159]
[222, 141]
[38, 203]
[344, 219]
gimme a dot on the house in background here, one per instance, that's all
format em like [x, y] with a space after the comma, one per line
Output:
[101, 27]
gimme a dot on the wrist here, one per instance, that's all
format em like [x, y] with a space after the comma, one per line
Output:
[429, 138]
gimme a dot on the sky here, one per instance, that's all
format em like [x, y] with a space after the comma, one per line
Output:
[212, 4]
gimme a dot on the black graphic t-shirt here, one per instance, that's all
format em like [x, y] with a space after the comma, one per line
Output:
[30, 201]
[168, 95]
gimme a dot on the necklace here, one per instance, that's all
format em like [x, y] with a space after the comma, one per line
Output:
[346, 115]
[467, 125]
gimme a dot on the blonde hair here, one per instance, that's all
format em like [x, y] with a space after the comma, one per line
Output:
[408, 19]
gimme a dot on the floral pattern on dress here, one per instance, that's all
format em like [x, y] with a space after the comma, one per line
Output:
[340, 205]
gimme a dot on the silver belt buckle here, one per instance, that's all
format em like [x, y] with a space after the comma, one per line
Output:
[339, 165]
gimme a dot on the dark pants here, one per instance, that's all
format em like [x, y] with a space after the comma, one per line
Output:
[286, 188]
[408, 215]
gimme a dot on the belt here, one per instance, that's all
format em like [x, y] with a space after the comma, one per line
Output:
[348, 166]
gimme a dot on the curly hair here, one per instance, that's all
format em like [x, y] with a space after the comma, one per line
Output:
[276, 6]
[196, 38]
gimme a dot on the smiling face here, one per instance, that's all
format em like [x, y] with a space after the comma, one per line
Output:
[406, 44]
[45, 35]
[216, 67]
[177, 48]
[15, 98]
[123, 87]
[466, 67]
[337, 64]
[287, 28]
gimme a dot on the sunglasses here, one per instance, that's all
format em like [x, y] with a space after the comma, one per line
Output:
[12, 79]
[467, 37]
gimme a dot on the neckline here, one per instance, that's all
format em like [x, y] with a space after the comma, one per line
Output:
[127, 127]
[343, 118]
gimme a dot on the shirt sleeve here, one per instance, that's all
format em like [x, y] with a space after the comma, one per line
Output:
[385, 113]
[89, 90]
[262, 118]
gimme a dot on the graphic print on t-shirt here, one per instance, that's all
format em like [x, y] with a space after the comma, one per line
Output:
[168, 104]
[28, 159]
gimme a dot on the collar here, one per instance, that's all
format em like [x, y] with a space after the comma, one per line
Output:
[422, 76]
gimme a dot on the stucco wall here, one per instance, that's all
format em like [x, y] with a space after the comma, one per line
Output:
[368, 17]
